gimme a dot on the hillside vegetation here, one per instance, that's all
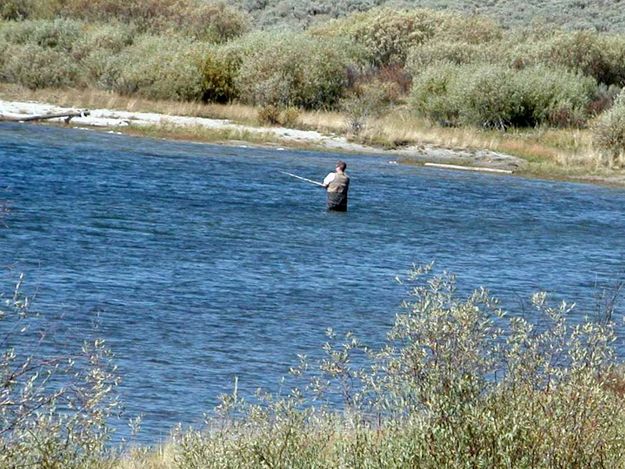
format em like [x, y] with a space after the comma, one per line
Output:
[599, 15]
[452, 69]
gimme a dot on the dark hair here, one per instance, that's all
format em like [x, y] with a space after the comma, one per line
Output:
[341, 164]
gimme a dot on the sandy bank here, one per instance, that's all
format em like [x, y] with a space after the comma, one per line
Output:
[123, 120]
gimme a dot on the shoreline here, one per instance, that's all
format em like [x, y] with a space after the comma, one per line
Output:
[141, 123]
[226, 132]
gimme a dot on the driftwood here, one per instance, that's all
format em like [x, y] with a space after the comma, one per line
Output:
[468, 168]
[68, 115]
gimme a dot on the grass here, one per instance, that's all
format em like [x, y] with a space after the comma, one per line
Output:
[550, 153]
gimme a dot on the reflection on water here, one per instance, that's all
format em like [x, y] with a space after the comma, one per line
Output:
[202, 263]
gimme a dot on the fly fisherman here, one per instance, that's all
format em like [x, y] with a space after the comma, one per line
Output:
[337, 185]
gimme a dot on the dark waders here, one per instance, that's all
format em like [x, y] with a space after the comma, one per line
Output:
[337, 193]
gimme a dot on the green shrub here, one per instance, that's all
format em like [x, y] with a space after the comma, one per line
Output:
[96, 50]
[386, 34]
[609, 133]
[495, 96]
[596, 55]
[214, 22]
[221, 66]
[210, 21]
[273, 115]
[59, 34]
[458, 383]
[588, 53]
[431, 94]
[294, 70]
[488, 96]
[470, 29]
[36, 67]
[112, 38]
[18, 10]
[555, 96]
[432, 52]
[158, 68]
[366, 101]
[54, 410]
[4, 55]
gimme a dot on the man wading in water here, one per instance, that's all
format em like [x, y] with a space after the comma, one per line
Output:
[337, 185]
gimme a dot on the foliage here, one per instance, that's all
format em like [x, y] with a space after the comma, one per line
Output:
[365, 101]
[18, 10]
[38, 67]
[221, 66]
[386, 34]
[158, 68]
[609, 133]
[495, 96]
[294, 70]
[37, 53]
[570, 14]
[54, 411]
[459, 383]
[436, 52]
[214, 22]
[59, 34]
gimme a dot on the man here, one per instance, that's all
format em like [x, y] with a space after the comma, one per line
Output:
[337, 185]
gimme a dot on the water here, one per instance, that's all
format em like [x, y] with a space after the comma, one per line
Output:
[202, 263]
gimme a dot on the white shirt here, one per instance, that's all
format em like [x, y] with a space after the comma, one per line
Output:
[329, 178]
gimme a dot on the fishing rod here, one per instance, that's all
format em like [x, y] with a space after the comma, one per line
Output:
[303, 179]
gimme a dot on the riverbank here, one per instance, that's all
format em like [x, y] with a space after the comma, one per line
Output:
[553, 153]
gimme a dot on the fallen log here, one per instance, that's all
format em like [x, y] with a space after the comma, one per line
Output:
[468, 168]
[68, 115]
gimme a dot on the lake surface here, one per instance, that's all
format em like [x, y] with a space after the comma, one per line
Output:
[203, 263]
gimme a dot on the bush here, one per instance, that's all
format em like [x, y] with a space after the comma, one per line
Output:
[215, 22]
[59, 34]
[488, 97]
[596, 55]
[54, 410]
[433, 52]
[431, 94]
[609, 133]
[294, 70]
[459, 383]
[469, 29]
[365, 101]
[589, 53]
[386, 34]
[221, 66]
[158, 68]
[556, 97]
[18, 10]
[273, 115]
[495, 96]
[36, 67]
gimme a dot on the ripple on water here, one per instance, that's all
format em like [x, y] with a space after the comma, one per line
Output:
[203, 263]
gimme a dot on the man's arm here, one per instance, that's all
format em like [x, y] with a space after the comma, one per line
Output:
[328, 179]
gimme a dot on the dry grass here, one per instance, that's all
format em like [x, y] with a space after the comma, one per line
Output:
[161, 457]
[202, 134]
[322, 121]
[92, 99]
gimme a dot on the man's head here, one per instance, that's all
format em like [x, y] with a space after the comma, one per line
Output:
[340, 166]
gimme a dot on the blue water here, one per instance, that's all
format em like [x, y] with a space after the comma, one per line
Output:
[201, 263]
